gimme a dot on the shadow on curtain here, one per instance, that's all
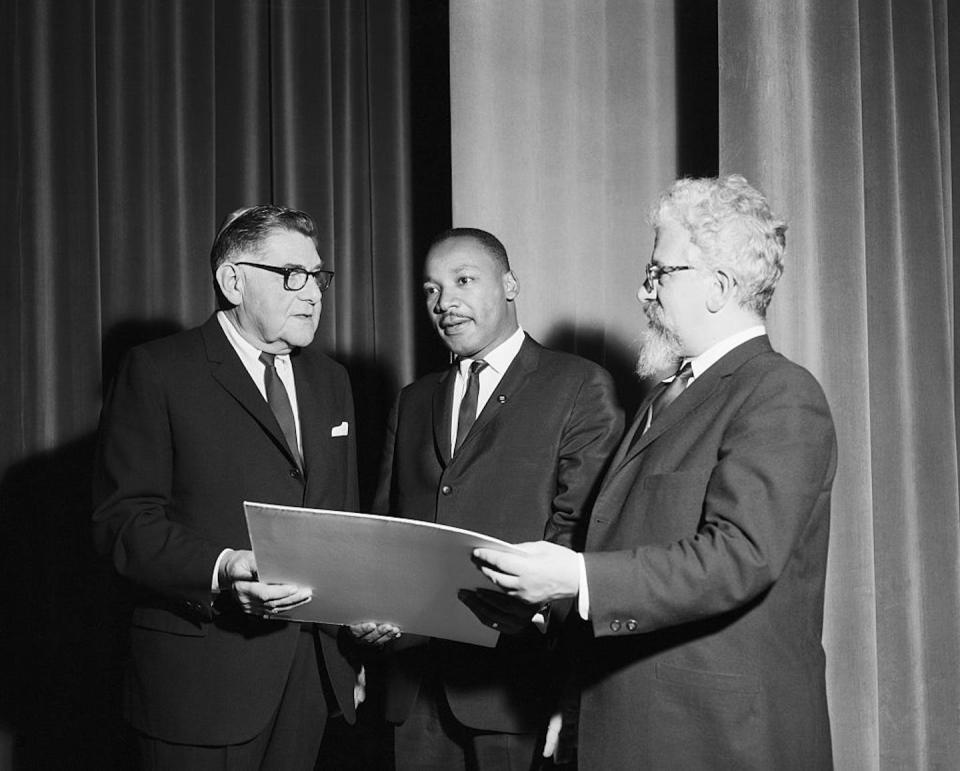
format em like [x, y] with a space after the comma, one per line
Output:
[129, 130]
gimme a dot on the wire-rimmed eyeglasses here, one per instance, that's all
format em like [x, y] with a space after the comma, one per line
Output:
[656, 272]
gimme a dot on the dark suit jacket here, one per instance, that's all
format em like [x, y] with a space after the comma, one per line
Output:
[528, 469]
[185, 438]
[706, 557]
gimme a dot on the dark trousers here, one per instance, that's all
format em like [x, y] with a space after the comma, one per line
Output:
[432, 738]
[290, 741]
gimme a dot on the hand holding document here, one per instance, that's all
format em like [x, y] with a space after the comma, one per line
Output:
[363, 567]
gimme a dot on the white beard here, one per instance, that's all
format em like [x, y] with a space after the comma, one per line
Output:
[660, 348]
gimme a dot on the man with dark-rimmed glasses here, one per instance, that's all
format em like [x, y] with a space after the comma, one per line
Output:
[240, 408]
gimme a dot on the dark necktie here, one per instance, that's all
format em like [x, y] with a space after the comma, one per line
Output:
[468, 405]
[673, 389]
[280, 404]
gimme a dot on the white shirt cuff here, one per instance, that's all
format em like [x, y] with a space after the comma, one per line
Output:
[541, 619]
[215, 581]
[583, 597]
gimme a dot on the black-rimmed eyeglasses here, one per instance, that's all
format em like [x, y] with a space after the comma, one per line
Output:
[656, 272]
[295, 279]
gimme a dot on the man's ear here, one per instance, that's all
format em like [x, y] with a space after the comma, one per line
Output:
[722, 291]
[230, 281]
[511, 287]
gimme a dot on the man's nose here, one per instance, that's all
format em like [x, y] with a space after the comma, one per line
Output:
[442, 301]
[311, 291]
[647, 291]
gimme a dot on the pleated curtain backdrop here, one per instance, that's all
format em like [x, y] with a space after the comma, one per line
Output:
[129, 130]
[841, 113]
[563, 123]
[142, 124]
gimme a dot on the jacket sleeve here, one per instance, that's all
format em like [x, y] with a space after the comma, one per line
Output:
[590, 436]
[132, 492]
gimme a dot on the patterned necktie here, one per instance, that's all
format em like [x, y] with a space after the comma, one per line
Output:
[280, 404]
[668, 394]
[673, 390]
[468, 405]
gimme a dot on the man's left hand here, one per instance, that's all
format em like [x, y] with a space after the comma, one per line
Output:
[543, 573]
[508, 615]
[238, 571]
[374, 634]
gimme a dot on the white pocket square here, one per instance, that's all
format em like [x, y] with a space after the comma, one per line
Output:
[342, 430]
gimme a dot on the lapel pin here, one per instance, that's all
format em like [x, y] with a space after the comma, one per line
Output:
[502, 399]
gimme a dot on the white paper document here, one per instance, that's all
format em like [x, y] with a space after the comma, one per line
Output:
[365, 567]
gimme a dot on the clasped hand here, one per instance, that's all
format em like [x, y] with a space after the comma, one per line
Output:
[544, 572]
[238, 573]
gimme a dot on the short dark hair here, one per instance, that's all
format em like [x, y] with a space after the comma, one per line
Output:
[487, 241]
[244, 231]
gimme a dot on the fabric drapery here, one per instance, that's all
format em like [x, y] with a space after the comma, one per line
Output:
[139, 125]
[843, 114]
[129, 130]
[563, 118]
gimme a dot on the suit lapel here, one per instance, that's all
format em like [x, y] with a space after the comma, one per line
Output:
[627, 443]
[687, 402]
[514, 380]
[312, 406]
[227, 369]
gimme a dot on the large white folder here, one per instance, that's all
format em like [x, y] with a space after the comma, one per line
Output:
[365, 567]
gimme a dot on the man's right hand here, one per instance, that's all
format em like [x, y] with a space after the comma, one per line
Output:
[373, 633]
[498, 611]
[238, 574]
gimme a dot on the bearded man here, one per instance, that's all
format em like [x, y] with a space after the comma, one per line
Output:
[701, 584]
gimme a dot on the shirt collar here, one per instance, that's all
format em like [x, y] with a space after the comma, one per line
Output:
[500, 357]
[246, 351]
[717, 351]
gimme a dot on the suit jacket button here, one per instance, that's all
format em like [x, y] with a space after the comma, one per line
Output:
[446, 489]
[615, 625]
[294, 473]
[632, 625]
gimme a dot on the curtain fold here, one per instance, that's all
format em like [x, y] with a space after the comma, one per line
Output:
[129, 129]
[137, 126]
[841, 113]
[564, 118]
